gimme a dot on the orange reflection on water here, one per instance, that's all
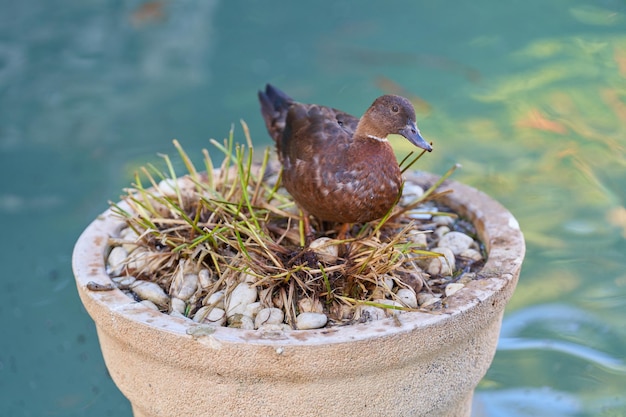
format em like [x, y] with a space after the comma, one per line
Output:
[537, 120]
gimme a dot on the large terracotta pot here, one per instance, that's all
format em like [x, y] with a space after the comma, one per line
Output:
[418, 365]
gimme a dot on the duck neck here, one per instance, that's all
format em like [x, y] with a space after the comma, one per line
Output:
[365, 131]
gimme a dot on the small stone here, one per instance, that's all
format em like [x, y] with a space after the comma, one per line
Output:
[447, 253]
[457, 242]
[217, 316]
[184, 287]
[176, 304]
[168, 187]
[306, 321]
[138, 260]
[453, 288]
[147, 290]
[388, 281]
[130, 237]
[205, 278]
[149, 304]
[216, 299]
[443, 220]
[410, 193]
[442, 265]
[253, 309]
[389, 311]
[427, 300]
[408, 297]
[116, 260]
[308, 305]
[418, 238]
[184, 184]
[248, 278]
[326, 249]
[369, 313]
[210, 315]
[341, 311]
[239, 321]
[269, 316]
[471, 254]
[124, 282]
[442, 231]
[239, 298]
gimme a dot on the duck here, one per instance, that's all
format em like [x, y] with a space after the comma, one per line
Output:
[337, 167]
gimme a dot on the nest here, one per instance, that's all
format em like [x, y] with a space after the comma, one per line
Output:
[201, 235]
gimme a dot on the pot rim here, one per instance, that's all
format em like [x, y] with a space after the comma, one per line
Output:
[496, 226]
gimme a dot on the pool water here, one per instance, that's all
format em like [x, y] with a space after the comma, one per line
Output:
[528, 96]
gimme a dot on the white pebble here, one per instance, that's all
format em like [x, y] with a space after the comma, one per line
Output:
[239, 298]
[389, 311]
[369, 313]
[252, 309]
[326, 249]
[388, 280]
[139, 259]
[210, 315]
[116, 260]
[456, 241]
[422, 213]
[216, 316]
[204, 278]
[248, 278]
[453, 288]
[184, 287]
[418, 238]
[168, 187]
[472, 254]
[124, 282]
[426, 300]
[441, 231]
[442, 265]
[305, 321]
[410, 193]
[443, 220]
[216, 299]
[269, 316]
[239, 321]
[408, 297]
[131, 237]
[147, 290]
[178, 305]
[185, 185]
[308, 305]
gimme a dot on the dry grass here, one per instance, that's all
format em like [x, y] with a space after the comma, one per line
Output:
[237, 224]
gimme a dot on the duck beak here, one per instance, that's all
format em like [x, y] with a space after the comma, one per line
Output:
[412, 133]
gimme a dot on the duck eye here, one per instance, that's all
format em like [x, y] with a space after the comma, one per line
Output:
[394, 109]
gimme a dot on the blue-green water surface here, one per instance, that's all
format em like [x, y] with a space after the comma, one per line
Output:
[529, 96]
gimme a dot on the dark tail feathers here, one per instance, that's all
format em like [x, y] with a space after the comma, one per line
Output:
[274, 106]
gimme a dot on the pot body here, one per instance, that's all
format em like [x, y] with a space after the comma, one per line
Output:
[416, 365]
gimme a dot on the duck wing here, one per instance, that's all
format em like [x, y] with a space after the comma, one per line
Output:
[309, 125]
[312, 131]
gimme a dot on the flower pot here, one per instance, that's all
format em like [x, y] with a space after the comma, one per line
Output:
[417, 364]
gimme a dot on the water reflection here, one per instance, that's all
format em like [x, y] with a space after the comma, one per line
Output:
[530, 97]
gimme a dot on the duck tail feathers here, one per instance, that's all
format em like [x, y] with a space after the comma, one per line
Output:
[274, 107]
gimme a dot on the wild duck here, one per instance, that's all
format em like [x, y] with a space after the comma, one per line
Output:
[337, 167]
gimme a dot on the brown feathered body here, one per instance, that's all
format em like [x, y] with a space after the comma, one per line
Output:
[337, 167]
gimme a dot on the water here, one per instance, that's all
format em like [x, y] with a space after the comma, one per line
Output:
[529, 96]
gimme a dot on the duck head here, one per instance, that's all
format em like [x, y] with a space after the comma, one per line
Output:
[391, 114]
